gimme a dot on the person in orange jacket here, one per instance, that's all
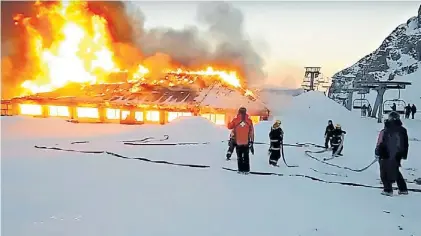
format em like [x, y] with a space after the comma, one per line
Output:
[243, 129]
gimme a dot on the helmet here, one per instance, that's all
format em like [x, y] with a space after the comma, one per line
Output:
[242, 110]
[277, 124]
[338, 126]
[393, 116]
[330, 122]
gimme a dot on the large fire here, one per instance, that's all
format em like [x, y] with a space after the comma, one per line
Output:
[80, 50]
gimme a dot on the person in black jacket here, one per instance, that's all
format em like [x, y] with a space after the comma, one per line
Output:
[407, 111]
[231, 146]
[392, 147]
[328, 132]
[413, 110]
[276, 136]
[337, 140]
[393, 107]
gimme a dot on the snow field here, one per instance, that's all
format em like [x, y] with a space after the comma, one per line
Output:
[48, 192]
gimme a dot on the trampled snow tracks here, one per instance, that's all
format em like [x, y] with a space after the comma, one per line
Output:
[309, 154]
[224, 168]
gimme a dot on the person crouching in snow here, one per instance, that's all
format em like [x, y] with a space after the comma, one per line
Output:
[392, 147]
[337, 140]
[328, 133]
[231, 145]
[276, 136]
[243, 129]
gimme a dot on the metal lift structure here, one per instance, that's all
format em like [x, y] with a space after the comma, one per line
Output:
[380, 87]
[349, 104]
[310, 78]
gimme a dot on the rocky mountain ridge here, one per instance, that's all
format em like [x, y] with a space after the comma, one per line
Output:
[398, 55]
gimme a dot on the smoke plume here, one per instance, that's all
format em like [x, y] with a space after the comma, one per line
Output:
[223, 45]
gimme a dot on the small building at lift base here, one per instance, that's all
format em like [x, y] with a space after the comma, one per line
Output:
[114, 103]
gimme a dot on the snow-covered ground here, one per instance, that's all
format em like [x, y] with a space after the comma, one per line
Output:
[53, 192]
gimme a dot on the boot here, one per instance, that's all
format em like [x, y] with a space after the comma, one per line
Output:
[389, 194]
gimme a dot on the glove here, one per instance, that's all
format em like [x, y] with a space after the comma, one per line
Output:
[269, 152]
[251, 147]
[377, 157]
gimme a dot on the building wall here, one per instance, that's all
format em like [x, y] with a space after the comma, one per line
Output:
[123, 115]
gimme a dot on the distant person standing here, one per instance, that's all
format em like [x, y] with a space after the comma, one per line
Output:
[328, 133]
[407, 111]
[392, 147]
[413, 110]
[369, 110]
[364, 110]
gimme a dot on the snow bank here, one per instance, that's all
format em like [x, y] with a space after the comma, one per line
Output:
[315, 103]
[196, 128]
[20, 127]
[183, 129]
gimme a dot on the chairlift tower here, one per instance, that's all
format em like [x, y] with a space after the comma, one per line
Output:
[310, 77]
[380, 87]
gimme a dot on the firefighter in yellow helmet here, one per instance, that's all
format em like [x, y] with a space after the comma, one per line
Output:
[337, 139]
[276, 136]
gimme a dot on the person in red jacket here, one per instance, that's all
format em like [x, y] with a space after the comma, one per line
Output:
[243, 129]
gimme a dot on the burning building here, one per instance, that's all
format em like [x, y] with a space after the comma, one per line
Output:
[77, 71]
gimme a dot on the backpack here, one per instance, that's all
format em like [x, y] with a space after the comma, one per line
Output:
[394, 143]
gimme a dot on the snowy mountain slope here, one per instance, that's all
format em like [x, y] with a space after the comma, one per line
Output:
[50, 192]
[397, 58]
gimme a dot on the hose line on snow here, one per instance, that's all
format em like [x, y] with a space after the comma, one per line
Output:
[224, 168]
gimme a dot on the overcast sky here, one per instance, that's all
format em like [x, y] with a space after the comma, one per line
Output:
[291, 35]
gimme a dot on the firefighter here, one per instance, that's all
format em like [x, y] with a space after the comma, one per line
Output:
[328, 133]
[276, 136]
[337, 140]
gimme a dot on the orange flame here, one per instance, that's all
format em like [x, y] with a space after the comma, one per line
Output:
[80, 52]
[228, 77]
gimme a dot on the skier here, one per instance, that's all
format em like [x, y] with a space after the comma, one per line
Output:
[337, 139]
[369, 110]
[407, 111]
[276, 136]
[413, 110]
[393, 107]
[392, 147]
[231, 145]
[243, 129]
[328, 132]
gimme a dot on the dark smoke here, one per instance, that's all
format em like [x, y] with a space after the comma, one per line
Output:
[228, 44]
[224, 44]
